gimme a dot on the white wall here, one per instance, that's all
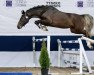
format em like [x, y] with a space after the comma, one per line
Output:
[25, 59]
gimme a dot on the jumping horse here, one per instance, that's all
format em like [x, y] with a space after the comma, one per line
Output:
[50, 16]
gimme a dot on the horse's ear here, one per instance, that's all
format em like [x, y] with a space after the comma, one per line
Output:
[23, 12]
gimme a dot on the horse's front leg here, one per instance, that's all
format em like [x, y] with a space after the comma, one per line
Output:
[46, 22]
[41, 25]
[38, 23]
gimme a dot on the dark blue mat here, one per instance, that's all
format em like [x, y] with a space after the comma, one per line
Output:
[15, 73]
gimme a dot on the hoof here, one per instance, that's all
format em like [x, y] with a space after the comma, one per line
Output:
[91, 47]
[36, 22]
[46, 30]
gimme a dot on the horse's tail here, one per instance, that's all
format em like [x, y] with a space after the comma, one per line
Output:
[89, 24]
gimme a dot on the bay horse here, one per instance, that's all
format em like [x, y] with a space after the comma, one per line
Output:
[50, 16]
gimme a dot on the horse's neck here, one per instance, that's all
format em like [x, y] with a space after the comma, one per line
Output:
[34, 14]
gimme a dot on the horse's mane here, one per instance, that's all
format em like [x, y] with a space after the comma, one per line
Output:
[38, 7]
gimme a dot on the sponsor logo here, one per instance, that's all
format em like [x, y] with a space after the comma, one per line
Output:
[80, 4]
[8, 3]
[90, 3]
[20, 3]
[54, 4]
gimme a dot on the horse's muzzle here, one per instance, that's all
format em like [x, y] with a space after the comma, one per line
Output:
[19, 27]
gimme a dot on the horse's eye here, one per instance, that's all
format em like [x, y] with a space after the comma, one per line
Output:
[26, 17]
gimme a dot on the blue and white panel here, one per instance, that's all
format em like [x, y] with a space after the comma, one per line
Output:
[17, 51]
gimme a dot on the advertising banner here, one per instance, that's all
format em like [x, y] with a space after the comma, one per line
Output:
[11, 12]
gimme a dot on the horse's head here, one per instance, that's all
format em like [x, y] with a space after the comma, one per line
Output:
[23, 20]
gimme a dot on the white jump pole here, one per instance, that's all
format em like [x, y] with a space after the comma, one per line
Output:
[59, 52]
[34, 53]
[48, 45]
[83, 56]
[82, 50]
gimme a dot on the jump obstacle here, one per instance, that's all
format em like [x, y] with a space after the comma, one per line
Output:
[37, 40]
[81, 53]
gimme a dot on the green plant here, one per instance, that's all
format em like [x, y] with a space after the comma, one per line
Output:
[44, 59]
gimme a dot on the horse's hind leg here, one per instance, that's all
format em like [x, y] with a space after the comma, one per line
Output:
[80, 31]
